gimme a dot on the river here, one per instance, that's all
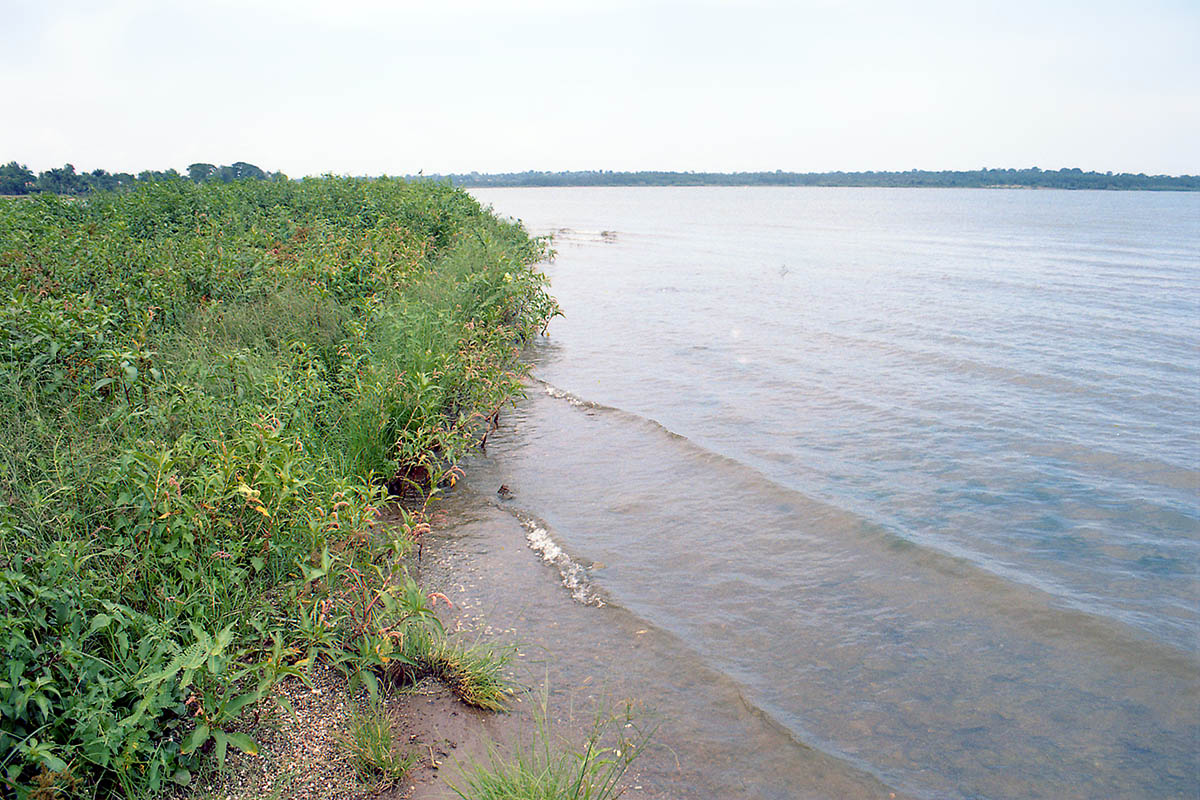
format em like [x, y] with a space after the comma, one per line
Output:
[915, 471]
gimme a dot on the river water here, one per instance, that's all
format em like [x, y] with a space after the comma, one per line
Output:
[915, 471]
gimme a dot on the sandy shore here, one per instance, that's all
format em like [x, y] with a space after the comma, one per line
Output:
[502, 592]
[582, 659]
[709, 742]
[476, 556]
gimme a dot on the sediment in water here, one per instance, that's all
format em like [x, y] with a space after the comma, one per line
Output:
[594, 657]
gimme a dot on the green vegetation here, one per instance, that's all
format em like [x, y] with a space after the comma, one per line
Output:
[553, 770]
[1028, 178]
[204, 391]
[472, 673]
[18, 179]
[369, 742]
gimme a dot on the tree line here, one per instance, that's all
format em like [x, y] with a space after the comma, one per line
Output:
[1033, 177]
[19, 179]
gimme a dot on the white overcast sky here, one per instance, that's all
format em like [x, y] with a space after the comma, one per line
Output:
[374, 87]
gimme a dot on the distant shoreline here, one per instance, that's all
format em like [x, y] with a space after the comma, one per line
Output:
[1032, 178]
[18, 180]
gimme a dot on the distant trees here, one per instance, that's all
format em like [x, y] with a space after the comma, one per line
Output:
[1072, 178]
[201, 172]
[157, 176]
[16, 178]
[240, 170]
[19, 179]
[108, 181]
[237, 171]
[62, 180]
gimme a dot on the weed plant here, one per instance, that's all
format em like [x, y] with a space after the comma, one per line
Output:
[204, 391]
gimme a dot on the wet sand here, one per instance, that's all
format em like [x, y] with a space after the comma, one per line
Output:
[573, 661]
[591, 658]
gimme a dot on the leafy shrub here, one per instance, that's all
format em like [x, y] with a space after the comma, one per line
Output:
[203, 391]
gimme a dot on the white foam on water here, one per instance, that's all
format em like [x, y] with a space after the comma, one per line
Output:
[560, 394]
[574, 576]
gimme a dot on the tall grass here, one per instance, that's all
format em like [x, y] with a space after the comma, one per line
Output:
[203, 393]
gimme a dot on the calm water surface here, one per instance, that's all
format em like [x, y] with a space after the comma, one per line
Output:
[916, 471]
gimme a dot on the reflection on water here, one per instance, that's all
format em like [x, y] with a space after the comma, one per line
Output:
[915, 470]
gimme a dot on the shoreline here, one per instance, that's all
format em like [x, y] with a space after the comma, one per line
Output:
[472, 549]
[598, 657]
[1068, 179]
[476, 556]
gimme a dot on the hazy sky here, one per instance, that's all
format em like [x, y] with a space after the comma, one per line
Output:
[373, 87]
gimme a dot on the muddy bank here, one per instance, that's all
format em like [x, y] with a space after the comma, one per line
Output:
[575, 654]
[592, 657]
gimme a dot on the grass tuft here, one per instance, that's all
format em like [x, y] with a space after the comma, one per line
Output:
[472, 673]
[554, 769]
[370, 745]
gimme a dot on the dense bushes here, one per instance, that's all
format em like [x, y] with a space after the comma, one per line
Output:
[205, 389]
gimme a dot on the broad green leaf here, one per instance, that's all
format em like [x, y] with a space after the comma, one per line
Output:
[238, 703]
[287, 706]
[222, 740]
[372, 683]
[197, 738]
[52, 762]
[242, 742]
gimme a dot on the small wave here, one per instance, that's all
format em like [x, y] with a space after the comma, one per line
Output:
[575, 400]
[999, 584]
[574, 575]
[578, 402]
